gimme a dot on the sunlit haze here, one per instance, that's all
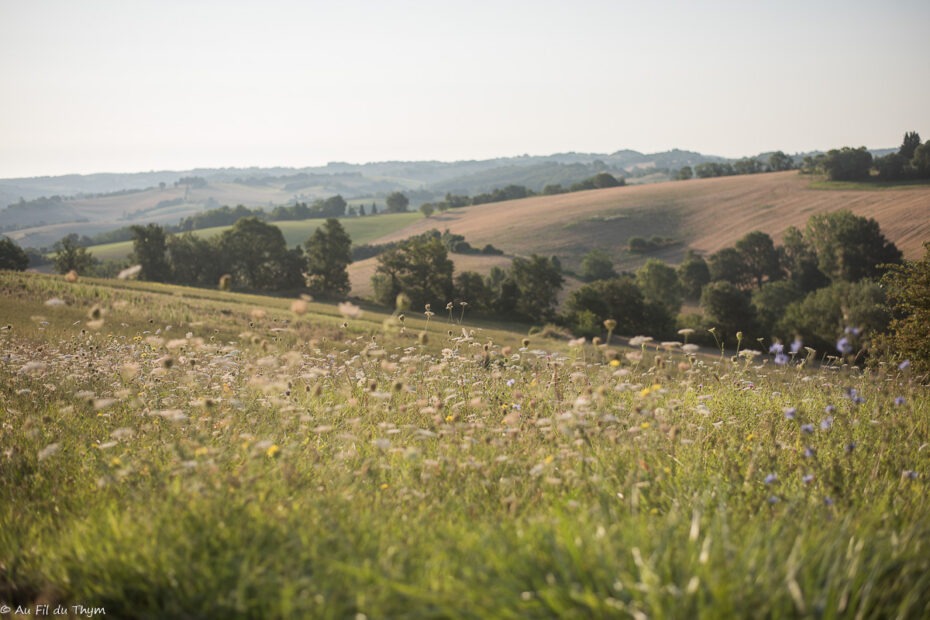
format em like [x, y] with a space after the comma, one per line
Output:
[134, 86]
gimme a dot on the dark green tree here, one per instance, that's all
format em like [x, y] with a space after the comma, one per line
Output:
[778, 161]
[470, 287]
[771, 301]
[849, 247]
[194, 260]
[397, 202]
[69, 256]
[848, 164]
[760, 259]
[12, 256]
[596, 265]
[684, 173]
[660, 285]
[799, 261]
[728, 309]
[255, 254]
[149, 249]
[693, 273]
[909, 145]
[328, 252]
[729, 265]
[920, 163]
[907, 288]
[618, 299]
[420, 268]
[539, 280]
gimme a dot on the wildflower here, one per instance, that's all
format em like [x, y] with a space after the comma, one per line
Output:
[808, 478]
[511, 382]
[349, 310]
[807, 428]
[796, 346]
[777, 348]
[774, 500]
[827, 501]
[850, 446]
[791, 413]
[826, 423]
[904, 365]
[843, 346]
[829, 409]
[809, 452]
[71, 276]
[910, 474]
[898, 401]
[771, 478]
[272, 450]
[781, 359]
[610, 325]
[853, 331]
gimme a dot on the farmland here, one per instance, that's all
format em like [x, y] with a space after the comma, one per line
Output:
[172, 452]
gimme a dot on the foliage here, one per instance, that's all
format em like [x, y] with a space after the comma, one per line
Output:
[418, 267]
[684, 174]
[255, 254]
[538, 280]
[328, 253]
[778, 161]
[693, 273]
[760, 259]
[149, 250]
[660, 285]
[771, 301]
[470, 287]
[847, 164]
[907, 289]
[824, 316]
[728, 309]
[849, 247]
[69, 256]
[618, 299]
[396, 202]
[596, 265]
[12, 256]
[727, 265]
[799, 261]
[194, 260]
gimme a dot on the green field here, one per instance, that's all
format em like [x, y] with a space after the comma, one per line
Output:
[361, 229]
[182, 453]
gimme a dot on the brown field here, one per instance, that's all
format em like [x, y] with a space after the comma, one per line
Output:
[703, 214]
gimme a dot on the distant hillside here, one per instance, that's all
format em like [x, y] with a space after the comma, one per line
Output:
[701, 214]
[90, 204]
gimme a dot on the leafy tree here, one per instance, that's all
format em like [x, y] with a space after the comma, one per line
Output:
[798, 259]
[693, 273]
[907, 287]
[397, 202]
[747, 165]
[328, 254]
[848, 164]
[921, 161]
[684, 173]
[12, 256]
[728, 309]
[778, 161]
[821, 318]
[771, 301]
[728, 265]
[69, 256]
[892, 167]
[539, 281]
[760, 259]
[149, 249]
[426, 209]
[255, 254]
[596, 265]
[660, 285]
[503, 290]
[849, 247]
[909, 145]
[618, 299]
[420, 268]
[194, 260]
[470, 287]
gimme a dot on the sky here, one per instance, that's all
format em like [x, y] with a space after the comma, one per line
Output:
[117, 86]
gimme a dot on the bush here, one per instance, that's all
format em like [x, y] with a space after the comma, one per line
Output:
[907, 288]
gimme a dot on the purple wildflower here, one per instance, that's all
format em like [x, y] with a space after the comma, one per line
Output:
[809, 452]
[796, 346]
[851, 446]
[781, 359]
[807, 479]
[829, 409]
[827, 501]
[910, 474]
[774, 500]
[843, 346]
[904, 365]
[777, 348]
[853, 331]
[791, 413]
[898, 401]
[826, 423]
[771, 478]
[807, 428]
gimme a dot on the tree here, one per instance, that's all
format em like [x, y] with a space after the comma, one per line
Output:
[892, 167]
[539, 281]
[909, 145]
[848, 164]
[778, 161]
[728, 309]
[693, 274]
[470, 287]
[660, 285]
[255, 254]
[397, 202]
[69, 256]
[328, 254]
[618, 299]
[798, 259]
[771, 301]
[760, 259]
[684, 173]
[420, 268]
[426, 209]
[921, 161]
[596, 265]
[194, 260]
[849, 247]
[12, 256]
[728, 265]
[907, 288]
[149, 249]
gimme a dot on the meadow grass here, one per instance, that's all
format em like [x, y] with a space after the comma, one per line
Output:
[169, 452]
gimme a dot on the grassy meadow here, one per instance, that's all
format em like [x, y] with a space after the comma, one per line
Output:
[184, 453]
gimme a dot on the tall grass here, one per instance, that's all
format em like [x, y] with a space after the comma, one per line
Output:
[217, 456]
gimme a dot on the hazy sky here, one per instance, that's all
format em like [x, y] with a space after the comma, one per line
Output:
[132, 85]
